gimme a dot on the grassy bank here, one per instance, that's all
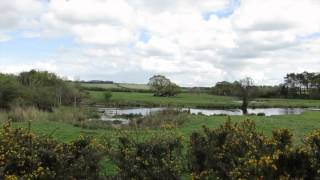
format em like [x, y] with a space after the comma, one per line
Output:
[196, 100]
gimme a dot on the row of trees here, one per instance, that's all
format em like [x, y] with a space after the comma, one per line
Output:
[225, 88]
[302, 85]
[36, 88]
[296, 85]
[244, 89]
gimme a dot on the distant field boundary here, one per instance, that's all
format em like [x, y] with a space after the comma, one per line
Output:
[115, 87]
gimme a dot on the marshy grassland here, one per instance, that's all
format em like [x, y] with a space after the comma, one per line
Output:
[62, 131]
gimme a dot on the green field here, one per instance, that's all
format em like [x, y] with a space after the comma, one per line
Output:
[117, 86]
[197, 100]
[298, 124]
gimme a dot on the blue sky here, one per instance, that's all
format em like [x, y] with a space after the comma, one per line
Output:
[225, 12]
[28, 49]
[193, 43]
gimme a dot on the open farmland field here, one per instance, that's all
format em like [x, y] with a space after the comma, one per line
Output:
[117, 86]
[201, 100]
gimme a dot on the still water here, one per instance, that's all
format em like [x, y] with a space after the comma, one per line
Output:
[208, 112]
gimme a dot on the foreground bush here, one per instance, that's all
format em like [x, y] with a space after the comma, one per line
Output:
[153, 158]
[238, 151]
[26, 156]
[232, 151]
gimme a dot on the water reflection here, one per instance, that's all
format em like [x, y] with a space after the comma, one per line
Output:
[208, 112]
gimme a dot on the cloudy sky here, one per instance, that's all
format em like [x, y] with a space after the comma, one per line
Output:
[194, 43]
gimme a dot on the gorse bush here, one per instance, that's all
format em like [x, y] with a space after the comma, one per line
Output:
[26, 156]
[232, 151]
[238, 151]
[152, 158]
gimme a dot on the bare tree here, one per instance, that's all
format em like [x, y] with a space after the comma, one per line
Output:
[245, 92]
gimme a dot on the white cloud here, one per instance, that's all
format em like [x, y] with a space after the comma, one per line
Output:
[261, 39]
[17, 68]
[103, 35]
[17, 13]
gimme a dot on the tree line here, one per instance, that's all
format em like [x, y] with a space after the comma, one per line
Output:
[295, 85]
[41, 89]
[302, 85]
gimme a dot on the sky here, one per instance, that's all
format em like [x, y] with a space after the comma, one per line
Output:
[194, 43]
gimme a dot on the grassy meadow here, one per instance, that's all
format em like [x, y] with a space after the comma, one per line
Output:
[117, 86]
[298, 124]
[200, 100]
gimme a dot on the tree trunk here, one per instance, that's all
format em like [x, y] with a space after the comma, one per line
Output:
[244, 106]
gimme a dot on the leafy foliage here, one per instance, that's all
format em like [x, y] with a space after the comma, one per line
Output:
[41, 89]
[238, 151]
[162, 86]
[152, 158]
[26, 156]
[295, 85]
[9, 90]
[107, 95]
[302, 85]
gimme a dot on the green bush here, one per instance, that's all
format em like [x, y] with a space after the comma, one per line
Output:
[93, 124]
[151, 158]
[9, 90]
[26, 156]
[161, 119]
[107, 96]
[238, 151]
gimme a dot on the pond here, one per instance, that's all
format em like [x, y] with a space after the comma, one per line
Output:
[232, 112]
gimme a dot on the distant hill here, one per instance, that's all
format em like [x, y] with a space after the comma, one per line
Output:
[99, 86]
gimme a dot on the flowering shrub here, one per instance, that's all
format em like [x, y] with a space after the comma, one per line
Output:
[232, 151]
[26, 156]
[238, 151]
[151, 158]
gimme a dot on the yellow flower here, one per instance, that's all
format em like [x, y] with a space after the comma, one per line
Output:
[10, 177]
